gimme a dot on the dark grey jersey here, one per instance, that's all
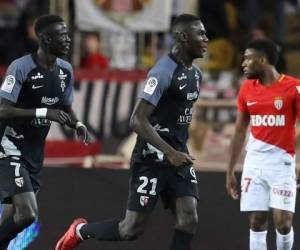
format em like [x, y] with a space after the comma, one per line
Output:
[29, 86]
[172, 89]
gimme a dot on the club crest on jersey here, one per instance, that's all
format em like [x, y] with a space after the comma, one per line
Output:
[278, 102]
[19, 181]
[144, 200]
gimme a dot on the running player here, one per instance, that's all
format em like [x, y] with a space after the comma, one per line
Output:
[160, 163]
[270, 102]
[37, 89]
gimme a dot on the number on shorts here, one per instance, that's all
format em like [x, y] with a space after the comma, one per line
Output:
[145, 182]
[246, 184]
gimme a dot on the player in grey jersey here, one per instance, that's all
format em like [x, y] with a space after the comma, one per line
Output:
[160, 164]
[37, 90]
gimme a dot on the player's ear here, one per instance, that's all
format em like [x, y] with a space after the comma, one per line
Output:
[182, 36]
[45, 39]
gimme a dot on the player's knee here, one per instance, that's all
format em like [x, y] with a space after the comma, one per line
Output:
[188, 221]
[131, 232]
[284, 227]
[258, 223]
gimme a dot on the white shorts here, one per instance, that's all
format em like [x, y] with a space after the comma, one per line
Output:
[268, 181]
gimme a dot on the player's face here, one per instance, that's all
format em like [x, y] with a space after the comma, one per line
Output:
[252, 64]
[59, 40]
[196, 40]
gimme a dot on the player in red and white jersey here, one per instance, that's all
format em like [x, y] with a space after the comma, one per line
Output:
[270, 103]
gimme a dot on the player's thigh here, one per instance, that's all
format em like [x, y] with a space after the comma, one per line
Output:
[25, 203]
[7, 210]
[254, 189]
[145, 185]
[14, 179]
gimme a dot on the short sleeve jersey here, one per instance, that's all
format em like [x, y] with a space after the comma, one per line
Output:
[29, 86]
[273, 111]
[172, 89]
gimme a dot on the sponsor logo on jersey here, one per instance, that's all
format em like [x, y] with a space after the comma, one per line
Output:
[182, 77]
[144, 200]
[267, 120]
[62, 75]
[8, 84]
[151, 85]
[181, 87]
[37, 122]
[37, 76]
[278, 102]
[49, 100]
[282, 192]
[19, 181]
[251, 103]
[192, 96]
[37, 86]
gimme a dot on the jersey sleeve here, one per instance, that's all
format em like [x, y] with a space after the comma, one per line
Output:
[241, 102]
[156, 84]
[13, 80]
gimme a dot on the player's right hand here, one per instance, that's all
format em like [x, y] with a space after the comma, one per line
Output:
[231, 185]
[177, 158]
[57, 115]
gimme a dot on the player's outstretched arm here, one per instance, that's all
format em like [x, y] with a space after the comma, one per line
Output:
[139, 122]
[9, 112]
[80, 128]
[237, 142]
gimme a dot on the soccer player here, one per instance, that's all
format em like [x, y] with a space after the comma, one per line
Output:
[160, 163]
[37, 89]
[270, 103]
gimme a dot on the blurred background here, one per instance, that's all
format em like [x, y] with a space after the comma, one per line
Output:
[115, 42]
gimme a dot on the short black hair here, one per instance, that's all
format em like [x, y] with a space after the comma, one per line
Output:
[184, 19]
[267, 47]
[45, 21]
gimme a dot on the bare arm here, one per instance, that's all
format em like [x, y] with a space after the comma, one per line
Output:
[139, 122]
[237, 142]
[80, 128]
[9, 112]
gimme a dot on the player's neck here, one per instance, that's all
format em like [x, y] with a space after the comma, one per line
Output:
[182, 57]
[270, 77]
[46, 60]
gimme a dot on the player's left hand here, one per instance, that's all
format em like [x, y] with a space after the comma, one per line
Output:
[298, 176]
[82, 133]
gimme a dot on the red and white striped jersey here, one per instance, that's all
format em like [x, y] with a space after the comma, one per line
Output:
[273, 111]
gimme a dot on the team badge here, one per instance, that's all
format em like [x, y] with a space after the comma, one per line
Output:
[19, 181]
[278, 102]
[144, 200]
